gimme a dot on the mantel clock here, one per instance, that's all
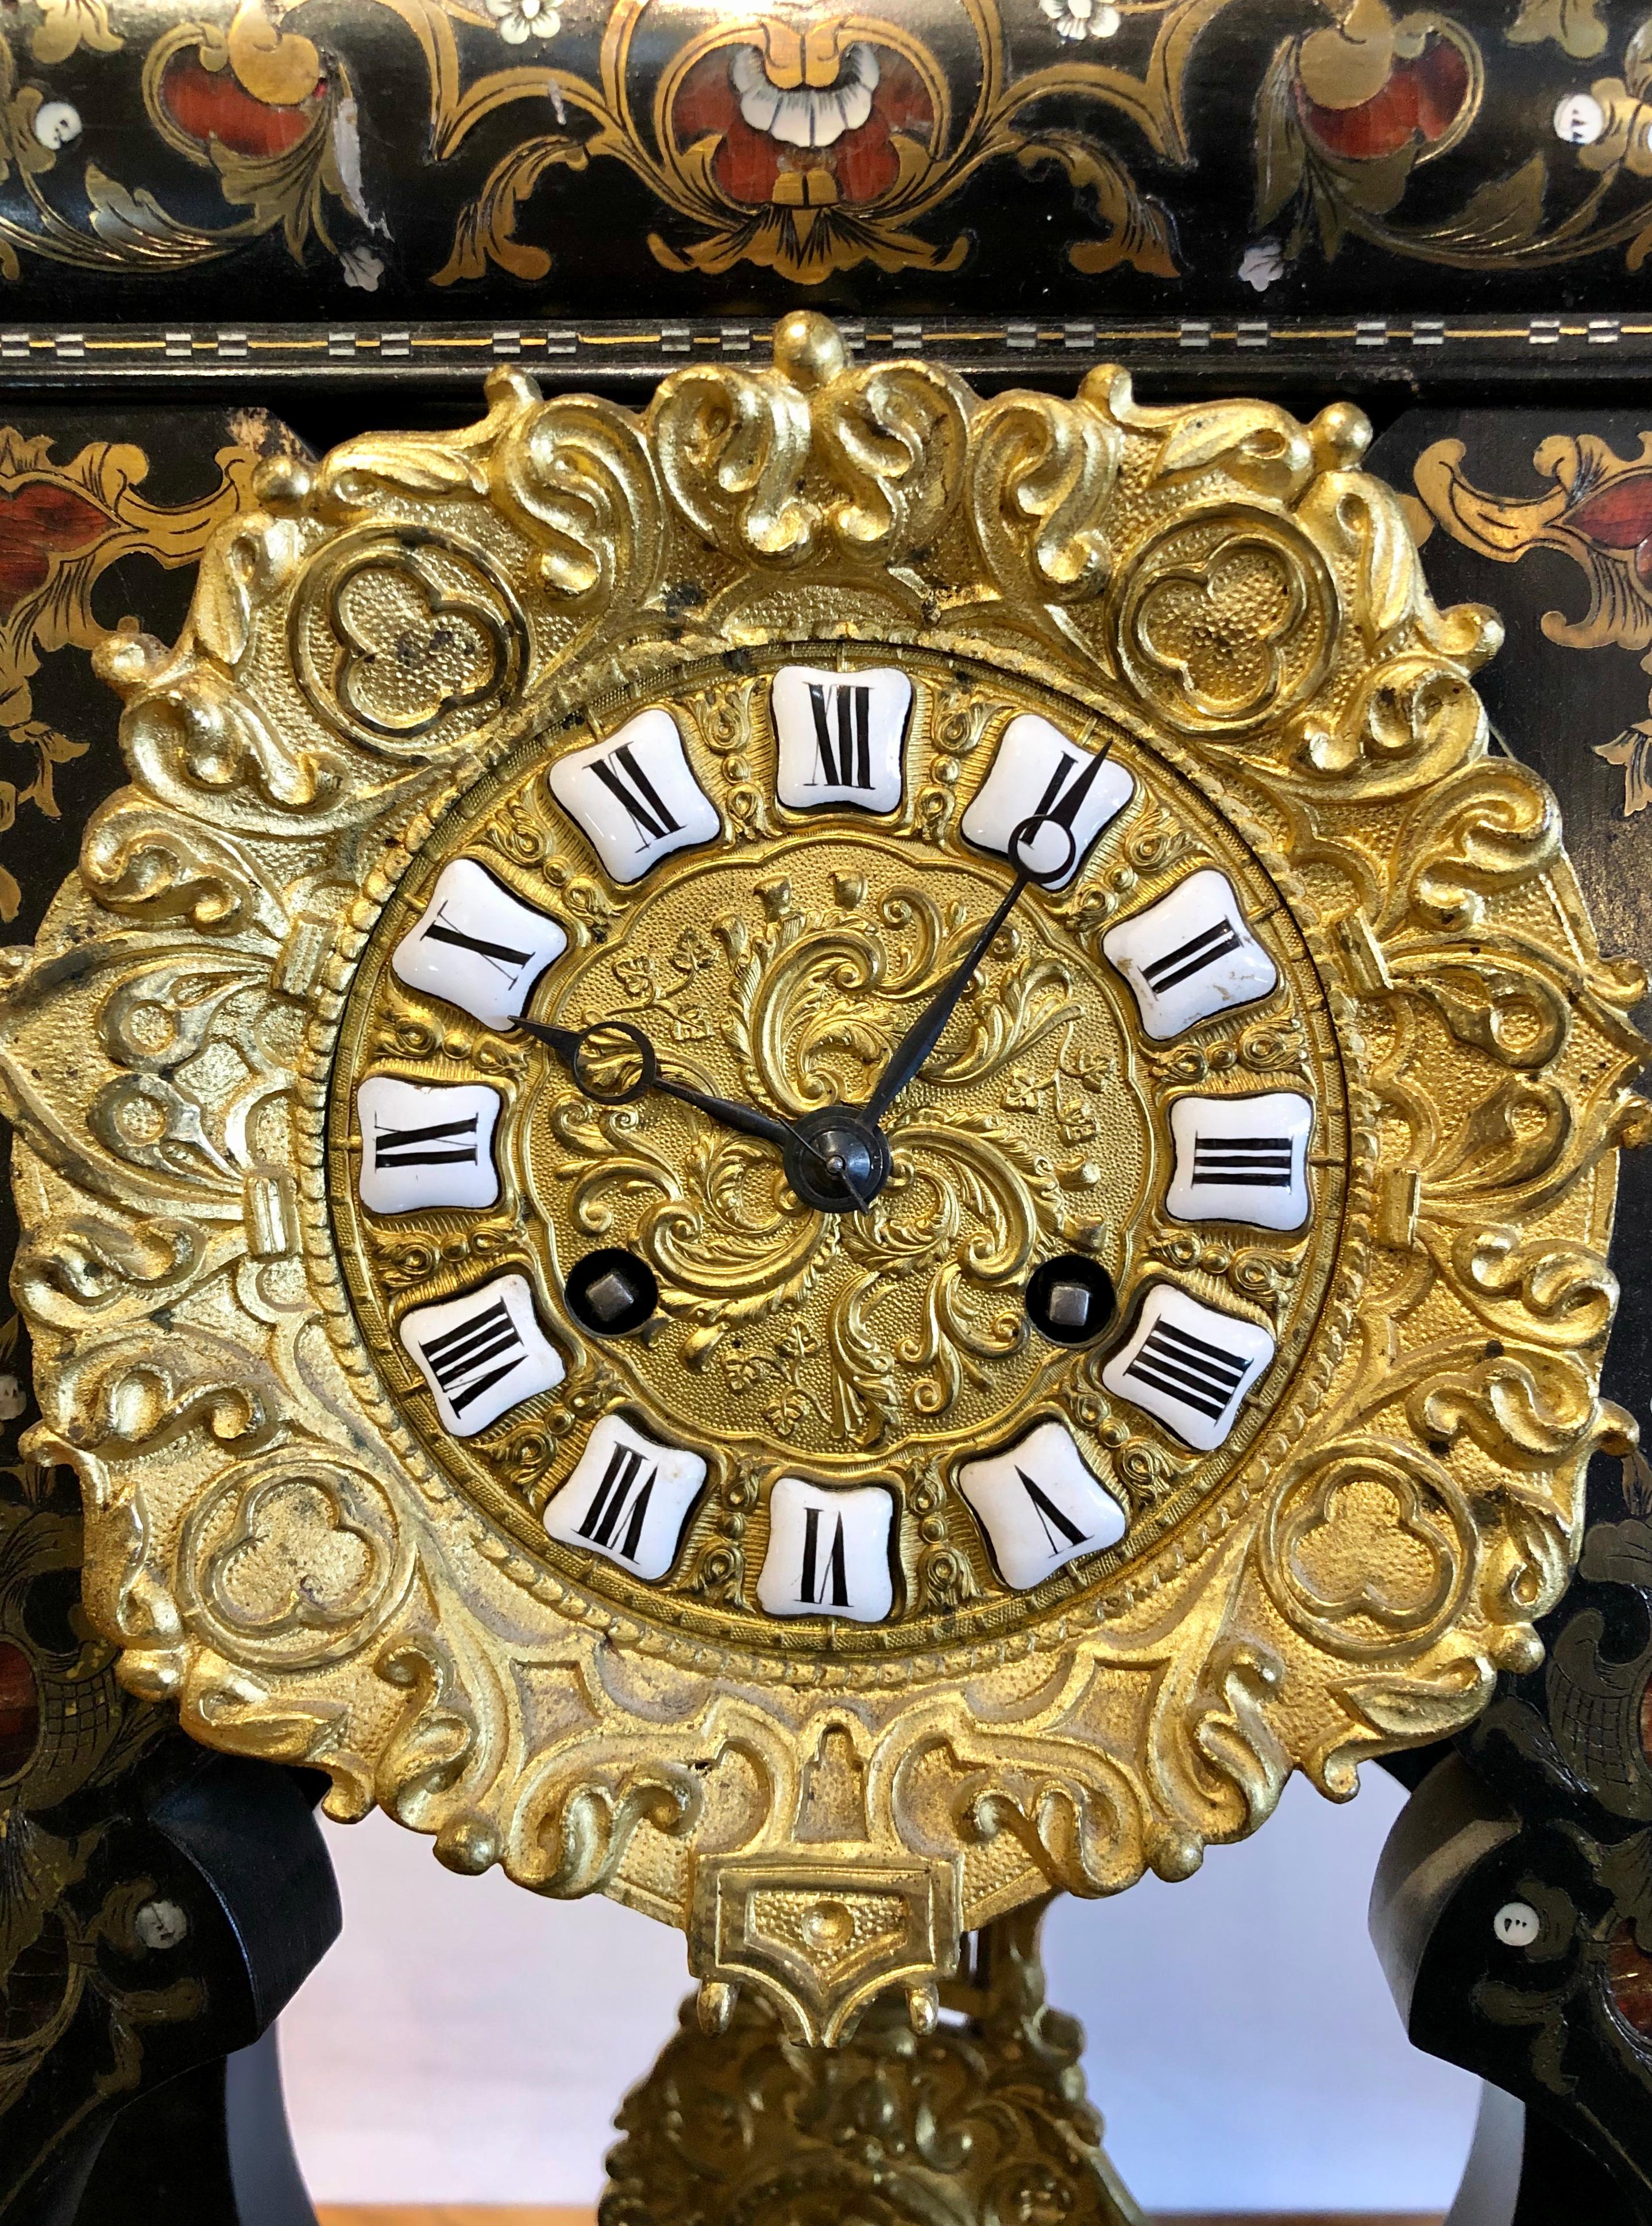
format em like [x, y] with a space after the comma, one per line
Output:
[823, 1156]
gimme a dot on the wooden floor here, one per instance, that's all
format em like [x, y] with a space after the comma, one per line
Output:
[462, 2214]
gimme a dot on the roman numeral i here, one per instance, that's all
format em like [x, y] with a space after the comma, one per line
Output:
[846, 757]
[1062, 803]
[460, 1359]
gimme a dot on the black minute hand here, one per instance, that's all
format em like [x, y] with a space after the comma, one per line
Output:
[925, 1032]
[574, 1046]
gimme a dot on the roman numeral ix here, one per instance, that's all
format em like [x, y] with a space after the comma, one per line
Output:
[612, 1502]
[624, 780]
[1251, 1162]
[845, 758]
[499, 956]
[438, 1145]
[1188, 1370]
[460, 1359]
[836, 1571]
[1192, 957]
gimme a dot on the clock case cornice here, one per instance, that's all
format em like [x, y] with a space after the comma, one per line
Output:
[170, 1263]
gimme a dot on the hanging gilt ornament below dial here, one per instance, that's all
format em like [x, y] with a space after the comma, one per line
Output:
[822, 1156]
[922, 1370]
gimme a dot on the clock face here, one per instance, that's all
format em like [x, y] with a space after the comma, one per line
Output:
[1081, 1255]
[822, 1157]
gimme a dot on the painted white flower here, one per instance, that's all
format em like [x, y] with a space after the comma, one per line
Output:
[1262, 262]
[520, 19]
[361, 267]
[1082, 19]
[805, 115]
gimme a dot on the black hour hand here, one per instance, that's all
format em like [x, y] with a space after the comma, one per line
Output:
[580, 1050]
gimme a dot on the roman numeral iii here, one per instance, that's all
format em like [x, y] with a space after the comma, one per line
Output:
[1041, 1506]
[1241, 1159]
[627, 1498]
[634, 795]
[426, 1145]
[1191, 955]
[1189, 1364]
[481, 1354]
[841, 737]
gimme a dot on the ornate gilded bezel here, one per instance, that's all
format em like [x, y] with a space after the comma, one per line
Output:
[1227, 588]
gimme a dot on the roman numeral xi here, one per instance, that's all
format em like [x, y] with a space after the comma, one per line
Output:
[624, 780]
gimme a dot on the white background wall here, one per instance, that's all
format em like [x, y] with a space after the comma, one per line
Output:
[465, 2042]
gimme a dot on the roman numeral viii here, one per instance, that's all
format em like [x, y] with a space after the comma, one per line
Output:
[1250, 1162]
[462, 1358]
[842, 717]
[1188, 1370]
[441, 1145]
[627, 1487]
[624, 780]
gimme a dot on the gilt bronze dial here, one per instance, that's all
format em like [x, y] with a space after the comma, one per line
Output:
[822, 1157]
[848, 1417]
